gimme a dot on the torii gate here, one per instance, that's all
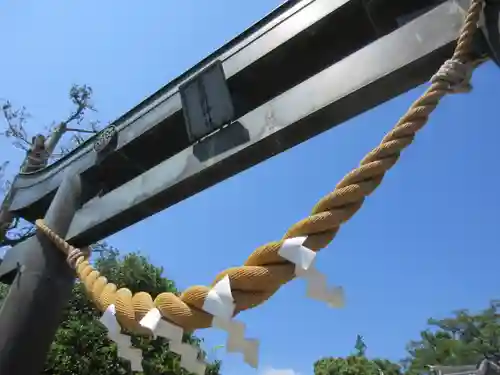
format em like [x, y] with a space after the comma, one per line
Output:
[213, 122]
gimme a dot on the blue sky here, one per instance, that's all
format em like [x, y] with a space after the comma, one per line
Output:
[420, 248]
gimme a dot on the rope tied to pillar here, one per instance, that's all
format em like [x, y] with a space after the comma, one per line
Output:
[267, 269]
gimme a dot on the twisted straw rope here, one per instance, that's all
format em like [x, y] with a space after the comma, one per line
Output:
[265, 271]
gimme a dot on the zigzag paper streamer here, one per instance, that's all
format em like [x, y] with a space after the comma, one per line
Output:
[220, 303]
[123, 342]
[188, 353]
[294, 251]
[189, 357]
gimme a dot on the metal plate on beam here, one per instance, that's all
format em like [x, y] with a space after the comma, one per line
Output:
[206, 102]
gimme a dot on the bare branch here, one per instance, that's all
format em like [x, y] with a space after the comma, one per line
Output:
[81, 96]
[16, 120]
[40, 149]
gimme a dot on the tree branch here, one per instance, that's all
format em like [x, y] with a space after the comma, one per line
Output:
[16, 121]
[81, 97]
[40, 149]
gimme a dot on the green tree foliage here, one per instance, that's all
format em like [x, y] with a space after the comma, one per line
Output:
[462, 339]
[355, 365]
[81, 346]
